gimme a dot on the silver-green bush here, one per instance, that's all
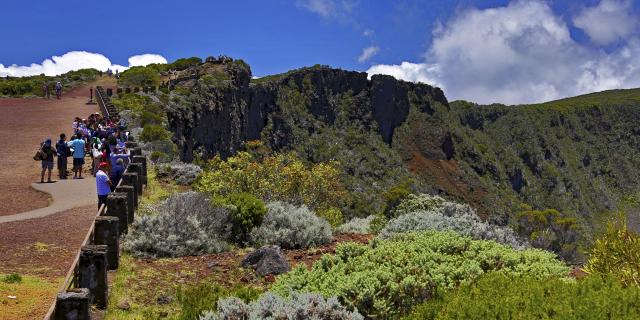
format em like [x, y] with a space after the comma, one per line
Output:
[180, 172]
[443, 216]
[300, 306]
[182, 225]
[357, 225]
[418, 202]
[291, 227]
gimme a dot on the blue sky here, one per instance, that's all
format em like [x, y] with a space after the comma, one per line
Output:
[275, 36]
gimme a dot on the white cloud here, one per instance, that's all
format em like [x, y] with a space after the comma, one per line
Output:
[608, 22]
[337, 9]
[75, 60]
[368, 53]
[368, 33]
[520, 53]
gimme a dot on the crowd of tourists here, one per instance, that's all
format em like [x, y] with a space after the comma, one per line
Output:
[101, 139]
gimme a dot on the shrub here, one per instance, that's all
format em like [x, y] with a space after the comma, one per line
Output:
[357, 225]
[196, 299]
[454, 217]
[421, 202]
[247, 212]
[300, 306]
[500, 296]
[616, 253]
[332, 215]
[550, 230]
[12, 278]
[291, 227]
[153, 132]
[139, 77]
[281, 177]
[180, 172]
[184, 224]
[395, 195]
[387, 277]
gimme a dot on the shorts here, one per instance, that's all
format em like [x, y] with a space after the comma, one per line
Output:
[77, 162]
[47, 165]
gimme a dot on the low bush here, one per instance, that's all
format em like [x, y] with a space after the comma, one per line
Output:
[153, 132]
[180, 172]
[616, 253]
[388, 277]
[12, 278]
[198, 298]
[357, 225]
[300, 306]
[182, 225]
[421, 202]
[332, 215]
[551, 230]
[291, 227]
[500, 296]
[247, 212]
[455, 217]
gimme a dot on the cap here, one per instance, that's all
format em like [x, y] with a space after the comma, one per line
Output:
[103, 165]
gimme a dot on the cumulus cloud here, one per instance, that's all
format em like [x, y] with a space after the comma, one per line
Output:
[608, 22]
[76, 60]
[368, 53]
[519, 53]
[337, 9]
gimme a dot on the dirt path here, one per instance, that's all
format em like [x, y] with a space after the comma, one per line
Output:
[24, 124]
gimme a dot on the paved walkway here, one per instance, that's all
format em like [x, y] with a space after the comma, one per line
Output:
[66, 194]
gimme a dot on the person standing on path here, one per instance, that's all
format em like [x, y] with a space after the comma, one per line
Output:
[77, 144]
[47, 161]
[58, 89]
[45, 91]
[103, 184]
[63, 153]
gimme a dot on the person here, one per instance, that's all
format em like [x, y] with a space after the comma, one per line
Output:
[63, 152]
[77, 144]
[58, 89]
[103, 184]
[47, 160]
[45, 91]
[116, 173]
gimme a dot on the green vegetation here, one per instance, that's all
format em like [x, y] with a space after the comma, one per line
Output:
[12, 278]
[154, 132]
[195, 299]
[550, 230]
[33, 296]
[247, 212]
[388, 277]
[616, 253]
[139, 77]
[502, 296]
[32, 86]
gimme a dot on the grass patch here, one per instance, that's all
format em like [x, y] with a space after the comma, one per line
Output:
[33, 296]
[40, 247]
[157, 190]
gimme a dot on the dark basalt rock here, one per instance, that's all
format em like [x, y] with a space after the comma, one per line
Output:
[266, 260]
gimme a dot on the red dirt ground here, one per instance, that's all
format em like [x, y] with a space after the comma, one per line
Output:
[24, 124]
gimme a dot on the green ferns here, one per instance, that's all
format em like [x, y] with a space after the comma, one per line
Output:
[388, 277]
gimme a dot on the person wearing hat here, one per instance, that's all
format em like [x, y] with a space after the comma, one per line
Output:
[47, 160]
[103, 183]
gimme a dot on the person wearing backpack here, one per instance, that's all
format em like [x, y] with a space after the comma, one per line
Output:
[63, 152]
[47, 160]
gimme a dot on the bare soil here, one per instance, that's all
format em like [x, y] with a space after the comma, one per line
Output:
[24, 124]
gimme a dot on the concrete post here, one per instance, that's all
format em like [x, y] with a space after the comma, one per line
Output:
[92, 273]
[137, 168]
[72, 305]
[107, 232]
[117, 207]
[130, 178]
[131, 144]
[137, 151]
[143, 161]
[131, 204]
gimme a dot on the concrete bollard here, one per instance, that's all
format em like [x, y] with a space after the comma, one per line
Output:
[131, 144]
[131, 205]
[107, 232]
[137, 151]
[117, 207]
[72, 305]
[92, 273]
[137, 168]
[130, 178]
[143, 161]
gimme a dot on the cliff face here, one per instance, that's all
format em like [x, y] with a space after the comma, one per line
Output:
[220, 115]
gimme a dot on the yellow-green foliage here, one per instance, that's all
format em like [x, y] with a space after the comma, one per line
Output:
[504, 297]
[617, 253]
[140, 77]
[279, 177]
[388, 277]
[332, 215]
[549, 229]
[33, 296]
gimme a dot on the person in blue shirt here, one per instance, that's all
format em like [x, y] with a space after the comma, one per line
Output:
[117, 170]
[103, 184]
[77, 144]
[63, 153]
